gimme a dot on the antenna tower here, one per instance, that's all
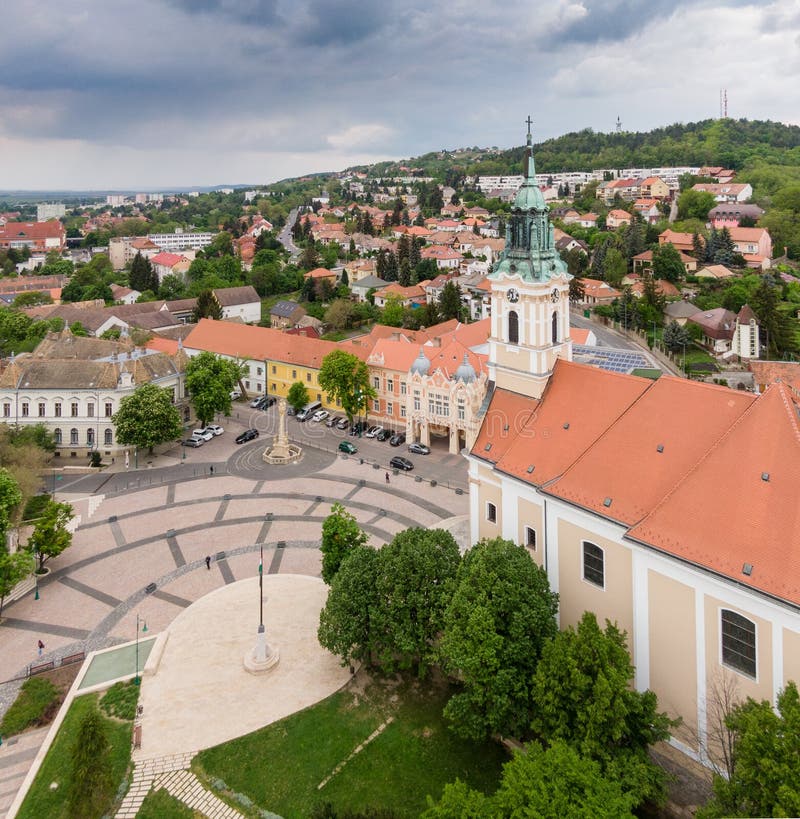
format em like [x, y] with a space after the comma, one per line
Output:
[619, 125]
[723, 103]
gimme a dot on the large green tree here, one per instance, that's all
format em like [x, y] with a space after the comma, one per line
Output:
[50, 536]
[209, 380]
[147, 418]
[142, 276]
[10, 498]
[765, 772]
[207, 306]
[450, 304]
[500, 616]
[297, 397]
[345, 377]
[91, 782]
[13, 568]
[694, 204]
[582, 693]
[667, 263]
[340, 535]
[415, 585]
[776, 328]
[345, 623]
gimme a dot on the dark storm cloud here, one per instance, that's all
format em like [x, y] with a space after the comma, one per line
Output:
[342, 23]
[252, 12]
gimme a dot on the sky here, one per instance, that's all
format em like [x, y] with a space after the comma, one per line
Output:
[148, 94]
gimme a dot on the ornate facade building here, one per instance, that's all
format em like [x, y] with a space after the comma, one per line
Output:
[668, 506]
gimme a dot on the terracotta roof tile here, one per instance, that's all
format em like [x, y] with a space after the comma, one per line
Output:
[508, 413]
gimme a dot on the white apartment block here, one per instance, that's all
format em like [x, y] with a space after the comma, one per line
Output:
[50, 210]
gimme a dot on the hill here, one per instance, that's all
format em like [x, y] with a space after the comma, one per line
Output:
[730, 143]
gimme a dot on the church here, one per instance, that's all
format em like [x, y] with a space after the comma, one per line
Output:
[670, 507]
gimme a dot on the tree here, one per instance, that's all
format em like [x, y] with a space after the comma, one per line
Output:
[392, 314]
[414, 585]
[147, 418]
[695, 204]
[209, 381]
[50, 536]
[667, 263]
[339, 315]
[309, 260]
[13, 569]
[345, 623]
[173, 287]
[91, 783]
[345, 378]
[207, 306]
[777, 329]
[582, 694]
[297, 397]
[340, 535]
[10, 498]
[501, 615]
[614, 266]
[450, 305]
[142, 276]
[765, 774]
[676, 337]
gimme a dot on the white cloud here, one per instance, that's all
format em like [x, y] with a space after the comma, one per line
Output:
[369, 135]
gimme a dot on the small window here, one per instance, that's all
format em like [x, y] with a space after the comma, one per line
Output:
[593, 564]
[274, 369]
[57, 409]
[57, 436]
[555, 327]
[74, 409]
[294, 374]
[389, 408]
[376, 406]
[90, 409]
[308, 377]
[390, 385]
[25, 409]
[376, 382]
[260, 371]
[73, 437]
[402, 388]
[246, 386]
[402, 412]
[738, 642]
[42, 409]
[6, 410]
[109, 409]
[530, 538]
[90, 437]
[513, 327]
[108, 437]
[491, 513]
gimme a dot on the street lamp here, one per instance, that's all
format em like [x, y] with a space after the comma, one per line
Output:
[137, 679]
[36, 574]
[684, 358]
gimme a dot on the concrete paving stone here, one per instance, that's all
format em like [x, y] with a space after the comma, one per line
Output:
[134, 500]
[149, 524]
[220, 536]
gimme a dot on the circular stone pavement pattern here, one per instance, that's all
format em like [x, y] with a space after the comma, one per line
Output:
[201, 695]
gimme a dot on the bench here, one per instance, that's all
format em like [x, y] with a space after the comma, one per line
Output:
[41, 668]
[78, 657]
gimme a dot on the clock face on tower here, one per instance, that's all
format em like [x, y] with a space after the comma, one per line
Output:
[555, 295]
[513, 295]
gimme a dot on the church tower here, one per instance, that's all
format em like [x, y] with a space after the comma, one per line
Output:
[529, 296]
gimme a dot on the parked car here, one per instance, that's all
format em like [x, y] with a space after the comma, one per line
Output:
[419, 449]
[267, 401]
[372, 432]
[342, 423]
[333, 420]
[349, 448]
[205, 433]
[399, 462]
[383, 435]
[320, 415]
[215, 429]
[192, 442]
[236, 394]
[358, 427]
[397, 439]
[256, 402]
[247, 435]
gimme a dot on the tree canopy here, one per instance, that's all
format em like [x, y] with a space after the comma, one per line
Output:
[147, 417]
[50, 536]
[345, 378]
[340, 535]
[209, 380]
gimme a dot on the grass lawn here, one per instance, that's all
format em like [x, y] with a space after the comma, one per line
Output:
[41, 801]
[160, 805]
[280, 767]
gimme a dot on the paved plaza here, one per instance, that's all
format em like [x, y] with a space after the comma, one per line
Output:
[143, 538]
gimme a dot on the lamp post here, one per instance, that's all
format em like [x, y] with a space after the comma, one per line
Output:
[137, 679]
[684, 358]
[36, 574]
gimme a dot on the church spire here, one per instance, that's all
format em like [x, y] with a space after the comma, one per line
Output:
[529, 169]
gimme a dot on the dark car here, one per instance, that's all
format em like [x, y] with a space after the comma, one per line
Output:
[397, 439]
[383, 435]
[419, 449]
[358, 427]
[332, 421]
[266, 402]
[399, 462]
[193, 442]
[346, 446]
[247, 435]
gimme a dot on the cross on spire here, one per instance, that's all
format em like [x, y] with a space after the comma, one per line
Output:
[529, 122]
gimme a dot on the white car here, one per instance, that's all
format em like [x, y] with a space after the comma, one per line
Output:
[320, 415]
[215, 429]
[373, 431]
[204, 434]
[236, 394]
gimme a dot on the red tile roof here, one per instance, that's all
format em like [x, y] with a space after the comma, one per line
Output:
[508, 413]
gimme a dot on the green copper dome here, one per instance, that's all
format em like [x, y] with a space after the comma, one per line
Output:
[529, 196]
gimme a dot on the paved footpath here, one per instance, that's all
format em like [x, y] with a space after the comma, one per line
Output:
[157, 526]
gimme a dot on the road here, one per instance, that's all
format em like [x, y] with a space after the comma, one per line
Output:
[285, 236]
[606, 337]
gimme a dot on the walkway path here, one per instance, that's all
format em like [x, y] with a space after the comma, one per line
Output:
[16, 756]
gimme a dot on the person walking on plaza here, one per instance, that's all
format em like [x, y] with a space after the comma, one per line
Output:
[208, 562]
[387, 477]
[41, 647]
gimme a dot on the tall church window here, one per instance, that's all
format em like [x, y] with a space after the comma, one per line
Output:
[738, 642]
[555, 327]
[513, 327]
[593, 564]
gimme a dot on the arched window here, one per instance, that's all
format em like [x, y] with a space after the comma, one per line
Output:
[738, 642]
[555, 327]
[108, 437]
[513, 327]
[73, 437]
[57, 436]
[90, 437]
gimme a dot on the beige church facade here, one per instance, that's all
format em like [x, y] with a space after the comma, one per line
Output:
[668, 507]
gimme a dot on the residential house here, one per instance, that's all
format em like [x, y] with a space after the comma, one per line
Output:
[123, 249]
[682, 241]
[588, 220]
[36, 236]
[170, 264]
[361, 288]
[446, 258]
[653, 187]
[648, 209]
[717, 328]
[730, 215]
[644, 261]
[285, 314]
[776, 372]
[714, 271]
[413, 296]
[242, 303]
[124, 295]
[755, 244]
[617, 218]
[729, 192]
[680, 311]
[596, 291]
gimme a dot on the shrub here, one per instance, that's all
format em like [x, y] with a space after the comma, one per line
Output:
[34, 700]
[120, 700]
[34, 507]
[95, 458]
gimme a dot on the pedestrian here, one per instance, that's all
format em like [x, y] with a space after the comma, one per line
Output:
[387, 477]
[41, 647]
[211, 469]
[208, 562]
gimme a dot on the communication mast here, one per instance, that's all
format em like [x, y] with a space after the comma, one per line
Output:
[723, 103]
[619, 125]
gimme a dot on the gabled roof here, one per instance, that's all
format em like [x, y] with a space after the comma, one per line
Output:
[508, 413]
[230, 296]
[718, 323]
[168, 259]
[652, 445]
[284, 309]
[755, 468]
